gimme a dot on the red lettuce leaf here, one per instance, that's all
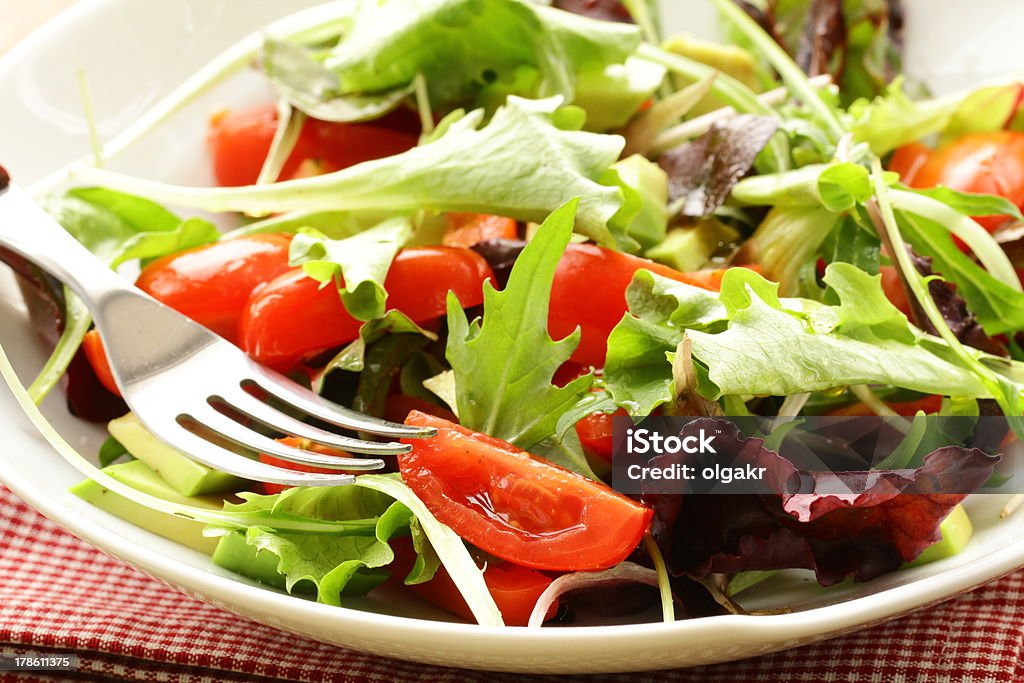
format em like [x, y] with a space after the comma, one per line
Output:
[813, 521]
[608, 10]
[703, 172]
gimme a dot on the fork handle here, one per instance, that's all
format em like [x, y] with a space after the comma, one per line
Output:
[29, 231]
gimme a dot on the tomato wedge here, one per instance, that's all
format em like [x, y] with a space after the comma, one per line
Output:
[983, 163]
[517, 507]
[212, 283]
[293, 318]
[589, 291]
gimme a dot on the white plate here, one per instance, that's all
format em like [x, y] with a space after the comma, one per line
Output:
[136, 51]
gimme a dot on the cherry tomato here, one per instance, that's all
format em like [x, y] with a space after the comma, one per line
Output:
[589, 291]
[515, 589]
[893, 288]
[240, 140]
[467, 229]
[595, 433]
[516, 507]
[92, 344]
[212, 283]
[304, 444]
[981, 163]
[293, 318]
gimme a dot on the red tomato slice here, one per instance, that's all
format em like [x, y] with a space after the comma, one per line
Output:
[293, 318]
[516, 507]
[983, 163]
[239, 143]
[515, 589]
[468, 229]
[589, 291]
[212, 283]
[307, 445]
[92, 344]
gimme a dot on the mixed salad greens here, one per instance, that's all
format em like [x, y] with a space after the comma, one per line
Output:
[512, 221]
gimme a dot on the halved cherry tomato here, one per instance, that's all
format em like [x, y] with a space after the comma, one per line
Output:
[893, 288]
[92, 344]
[292, 317]
[515, 589]
[589, 291]
[929, 404]
[595, 433]
[467, 229]
[239, 142]
[304, 444]
[212, 283]
[516, 507]
[983, 163]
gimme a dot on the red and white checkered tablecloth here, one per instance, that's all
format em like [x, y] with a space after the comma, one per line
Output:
[59, 595]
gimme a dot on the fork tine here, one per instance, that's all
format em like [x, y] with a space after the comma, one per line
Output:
[223, 426]
[286, 424]
[308, 402]
[218, 458]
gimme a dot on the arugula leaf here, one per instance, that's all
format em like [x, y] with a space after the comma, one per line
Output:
[356, 264]
[526, 162]
[504, 365]
[462, 45]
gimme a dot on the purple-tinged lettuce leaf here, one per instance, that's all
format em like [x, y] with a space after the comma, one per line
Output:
[860, 524]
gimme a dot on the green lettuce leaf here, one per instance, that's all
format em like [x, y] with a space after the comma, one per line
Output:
[329, 560]
[356, 264]
[749, 341]
[504, 365]
[526, 162]
[464, 45]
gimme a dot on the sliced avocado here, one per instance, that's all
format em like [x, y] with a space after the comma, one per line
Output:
[139, 476]
[234, 554]
[729, 59]
[688, 249]
[956, 531]
[188, 477]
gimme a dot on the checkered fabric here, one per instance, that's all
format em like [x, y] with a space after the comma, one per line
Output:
[59, 595]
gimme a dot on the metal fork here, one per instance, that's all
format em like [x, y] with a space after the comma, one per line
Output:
[192, 389]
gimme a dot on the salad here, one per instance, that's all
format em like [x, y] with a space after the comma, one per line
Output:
[516, 222]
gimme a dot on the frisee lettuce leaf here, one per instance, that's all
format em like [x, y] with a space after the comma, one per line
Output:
[356, 264]
[749, 341]
[527, 161]
[505, 363]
